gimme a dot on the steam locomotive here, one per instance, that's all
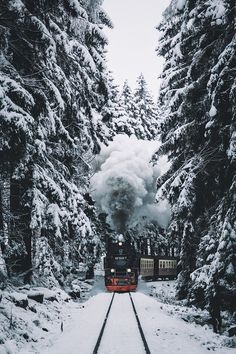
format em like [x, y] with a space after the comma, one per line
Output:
[121, 267]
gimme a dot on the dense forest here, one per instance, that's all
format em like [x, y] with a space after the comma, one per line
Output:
[59, 104]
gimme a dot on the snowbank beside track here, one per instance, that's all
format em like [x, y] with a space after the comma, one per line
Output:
[31, 316]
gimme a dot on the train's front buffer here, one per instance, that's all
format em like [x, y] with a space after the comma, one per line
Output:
[120, 281]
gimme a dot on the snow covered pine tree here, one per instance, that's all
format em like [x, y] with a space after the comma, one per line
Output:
[136, 112]
[198, 42]
[54, 84]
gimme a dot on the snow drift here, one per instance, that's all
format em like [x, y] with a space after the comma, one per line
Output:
[124, 184]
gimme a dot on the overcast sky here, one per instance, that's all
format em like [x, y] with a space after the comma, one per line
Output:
[133, 40]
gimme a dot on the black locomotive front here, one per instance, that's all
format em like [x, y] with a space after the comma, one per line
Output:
[120, 264]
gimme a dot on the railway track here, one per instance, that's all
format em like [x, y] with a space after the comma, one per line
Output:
[98, 345]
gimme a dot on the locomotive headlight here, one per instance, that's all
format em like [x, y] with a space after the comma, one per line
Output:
[128, 270]
[112, 270]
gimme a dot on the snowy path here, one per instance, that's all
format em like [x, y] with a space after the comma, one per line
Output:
[165, 334]
[80, 336]
[121, 334]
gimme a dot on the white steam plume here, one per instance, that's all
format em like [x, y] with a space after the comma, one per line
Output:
[124, 186]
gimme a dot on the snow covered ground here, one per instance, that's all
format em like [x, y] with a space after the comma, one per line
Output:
[164, 291]
[64, 326]
[26, 325]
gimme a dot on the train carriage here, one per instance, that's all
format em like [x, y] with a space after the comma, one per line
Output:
[154, 267]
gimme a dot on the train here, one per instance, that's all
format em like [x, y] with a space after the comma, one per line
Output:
[123, 267]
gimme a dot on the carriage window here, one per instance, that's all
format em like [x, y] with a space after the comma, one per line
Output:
[145, 263]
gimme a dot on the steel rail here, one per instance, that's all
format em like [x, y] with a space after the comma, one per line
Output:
[147, 350]
[103, 327]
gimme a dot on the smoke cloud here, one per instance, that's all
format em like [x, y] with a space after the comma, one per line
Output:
[124, 184]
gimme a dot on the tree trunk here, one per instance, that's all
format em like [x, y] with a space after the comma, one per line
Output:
[35, 250]
[5, 214]
[3, 268]
[90, 272]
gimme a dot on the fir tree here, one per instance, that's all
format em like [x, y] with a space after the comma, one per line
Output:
[198, 91]
[125, 120]
[146, 114]
[53, 88]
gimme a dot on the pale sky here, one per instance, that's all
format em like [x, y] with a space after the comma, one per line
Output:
[133, 40]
